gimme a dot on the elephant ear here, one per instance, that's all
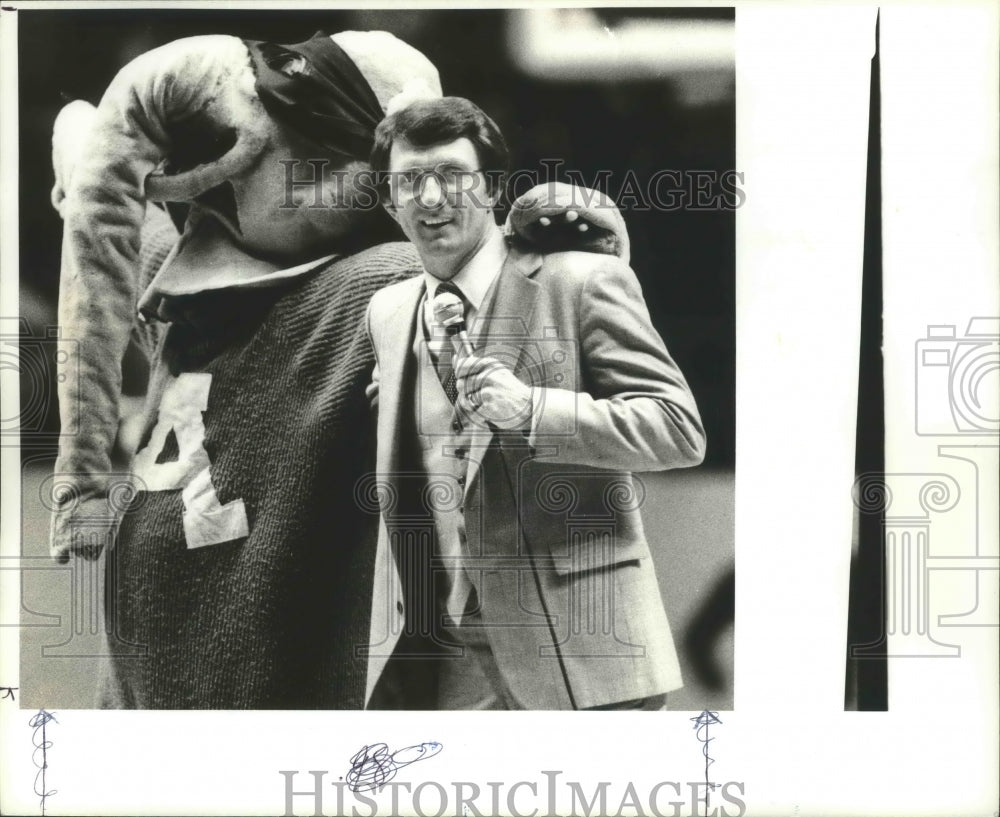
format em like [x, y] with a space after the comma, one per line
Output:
[557, 217]
[104, 213]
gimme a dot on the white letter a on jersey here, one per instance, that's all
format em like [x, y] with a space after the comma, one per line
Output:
[206, 520]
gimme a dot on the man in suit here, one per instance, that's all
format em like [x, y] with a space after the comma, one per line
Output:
[513, 571]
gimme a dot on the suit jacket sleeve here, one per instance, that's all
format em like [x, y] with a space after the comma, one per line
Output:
[637, 412]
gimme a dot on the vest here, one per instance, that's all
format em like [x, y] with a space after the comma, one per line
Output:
[443, 457]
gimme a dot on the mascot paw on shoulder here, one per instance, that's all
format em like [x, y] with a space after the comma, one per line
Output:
[558, 217]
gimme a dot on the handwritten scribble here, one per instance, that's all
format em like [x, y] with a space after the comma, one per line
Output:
[42, 745]
[373, 766]
[701, 724]
[8, 692]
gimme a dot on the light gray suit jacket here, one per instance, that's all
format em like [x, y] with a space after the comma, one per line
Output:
[555, 543]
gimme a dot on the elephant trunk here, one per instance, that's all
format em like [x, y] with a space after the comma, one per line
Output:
[103, 213]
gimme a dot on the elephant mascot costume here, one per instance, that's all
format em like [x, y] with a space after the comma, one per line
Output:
[238, 557]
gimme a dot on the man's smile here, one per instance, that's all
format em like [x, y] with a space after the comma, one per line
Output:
[436, 222]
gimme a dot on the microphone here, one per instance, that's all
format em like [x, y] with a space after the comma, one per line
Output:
[449, 311]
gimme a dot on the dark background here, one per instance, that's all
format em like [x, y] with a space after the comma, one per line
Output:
[638, 122]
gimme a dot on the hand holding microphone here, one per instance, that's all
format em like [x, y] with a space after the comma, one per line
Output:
[487, 389]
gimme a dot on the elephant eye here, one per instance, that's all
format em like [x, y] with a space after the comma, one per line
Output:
[294, 67]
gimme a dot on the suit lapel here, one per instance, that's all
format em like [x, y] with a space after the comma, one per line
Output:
[506, 320]
[504, 323]
[398, 374]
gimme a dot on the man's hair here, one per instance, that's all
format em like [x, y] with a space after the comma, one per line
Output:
[428, 122]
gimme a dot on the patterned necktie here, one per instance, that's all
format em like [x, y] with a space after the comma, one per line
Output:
[445, 362]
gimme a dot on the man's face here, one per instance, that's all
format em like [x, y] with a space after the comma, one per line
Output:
[438, 195]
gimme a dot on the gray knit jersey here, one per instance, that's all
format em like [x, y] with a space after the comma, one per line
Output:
[275, 619]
